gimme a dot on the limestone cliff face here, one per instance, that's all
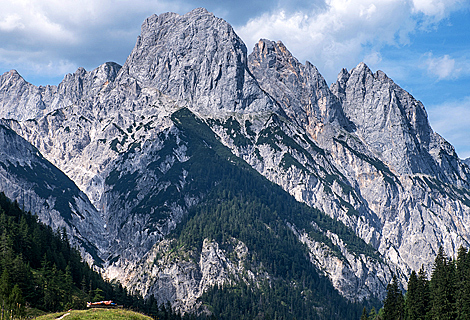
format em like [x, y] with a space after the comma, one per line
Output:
[387, 153]
[300, 89]
[361, 151]
[198, 59]
[395, 126]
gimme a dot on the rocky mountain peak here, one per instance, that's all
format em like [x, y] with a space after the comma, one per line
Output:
[339, 87]
[274, 55]
[82, 84]
[18, 98]
[393, 123]
[300, 89]
[199, 60]
[11, 75]
[21, 100]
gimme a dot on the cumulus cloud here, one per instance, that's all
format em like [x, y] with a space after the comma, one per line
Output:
[344, 32]
[11, 22]
[436, 9]
[52, 36]
[452, 121]
[330, 33]
[443, 67]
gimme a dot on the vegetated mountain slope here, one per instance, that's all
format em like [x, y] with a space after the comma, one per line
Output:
[243, 234]
[123, 144]
[40, 269]
[41, 188]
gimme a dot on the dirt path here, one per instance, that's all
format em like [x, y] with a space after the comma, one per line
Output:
[63, 316]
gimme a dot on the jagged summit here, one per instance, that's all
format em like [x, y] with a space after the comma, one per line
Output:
[301, 89]
[395, 125]
[21, 100]
[198, 59]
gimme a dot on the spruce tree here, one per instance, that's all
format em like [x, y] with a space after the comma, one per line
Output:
[423, 293]
[463, 284]
[17, 302]
[442, 288]
[4, 292]
[412, 311]
[394, 302]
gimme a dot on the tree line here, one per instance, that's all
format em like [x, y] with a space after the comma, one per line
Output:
[40, 270]
[445, 296]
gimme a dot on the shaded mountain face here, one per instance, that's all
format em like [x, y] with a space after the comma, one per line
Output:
[42, 189]
[192, 149]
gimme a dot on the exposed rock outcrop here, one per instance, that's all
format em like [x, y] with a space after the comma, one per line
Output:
[20, 100]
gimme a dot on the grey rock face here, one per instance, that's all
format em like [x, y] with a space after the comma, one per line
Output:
[182, 276]
[387, 143]
[466, 161]
[21, 100]
[301, 89]
[198, 59]
[395, 126]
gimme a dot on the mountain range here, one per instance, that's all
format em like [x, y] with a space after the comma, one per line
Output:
[195, 171]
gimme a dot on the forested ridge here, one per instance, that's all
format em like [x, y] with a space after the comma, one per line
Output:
[40, 270]
[445, 296]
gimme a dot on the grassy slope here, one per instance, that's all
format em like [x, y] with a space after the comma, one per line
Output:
[97, 314]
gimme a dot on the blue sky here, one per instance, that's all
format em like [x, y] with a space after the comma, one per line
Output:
[423, 45]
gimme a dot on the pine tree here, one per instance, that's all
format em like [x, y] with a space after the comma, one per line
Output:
[394, 302]
[17, 302]
[4, 292]
[417, 297]
[372, 314]
[424, 294]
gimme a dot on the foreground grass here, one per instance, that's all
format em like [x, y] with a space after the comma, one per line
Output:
[96, 314]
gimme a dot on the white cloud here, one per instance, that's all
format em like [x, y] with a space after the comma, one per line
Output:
[36, 63]
[452, 121]
[11, 22]
[443, 67]
[436, 9]
[330, 33]
[345, 32]
[373, 58]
